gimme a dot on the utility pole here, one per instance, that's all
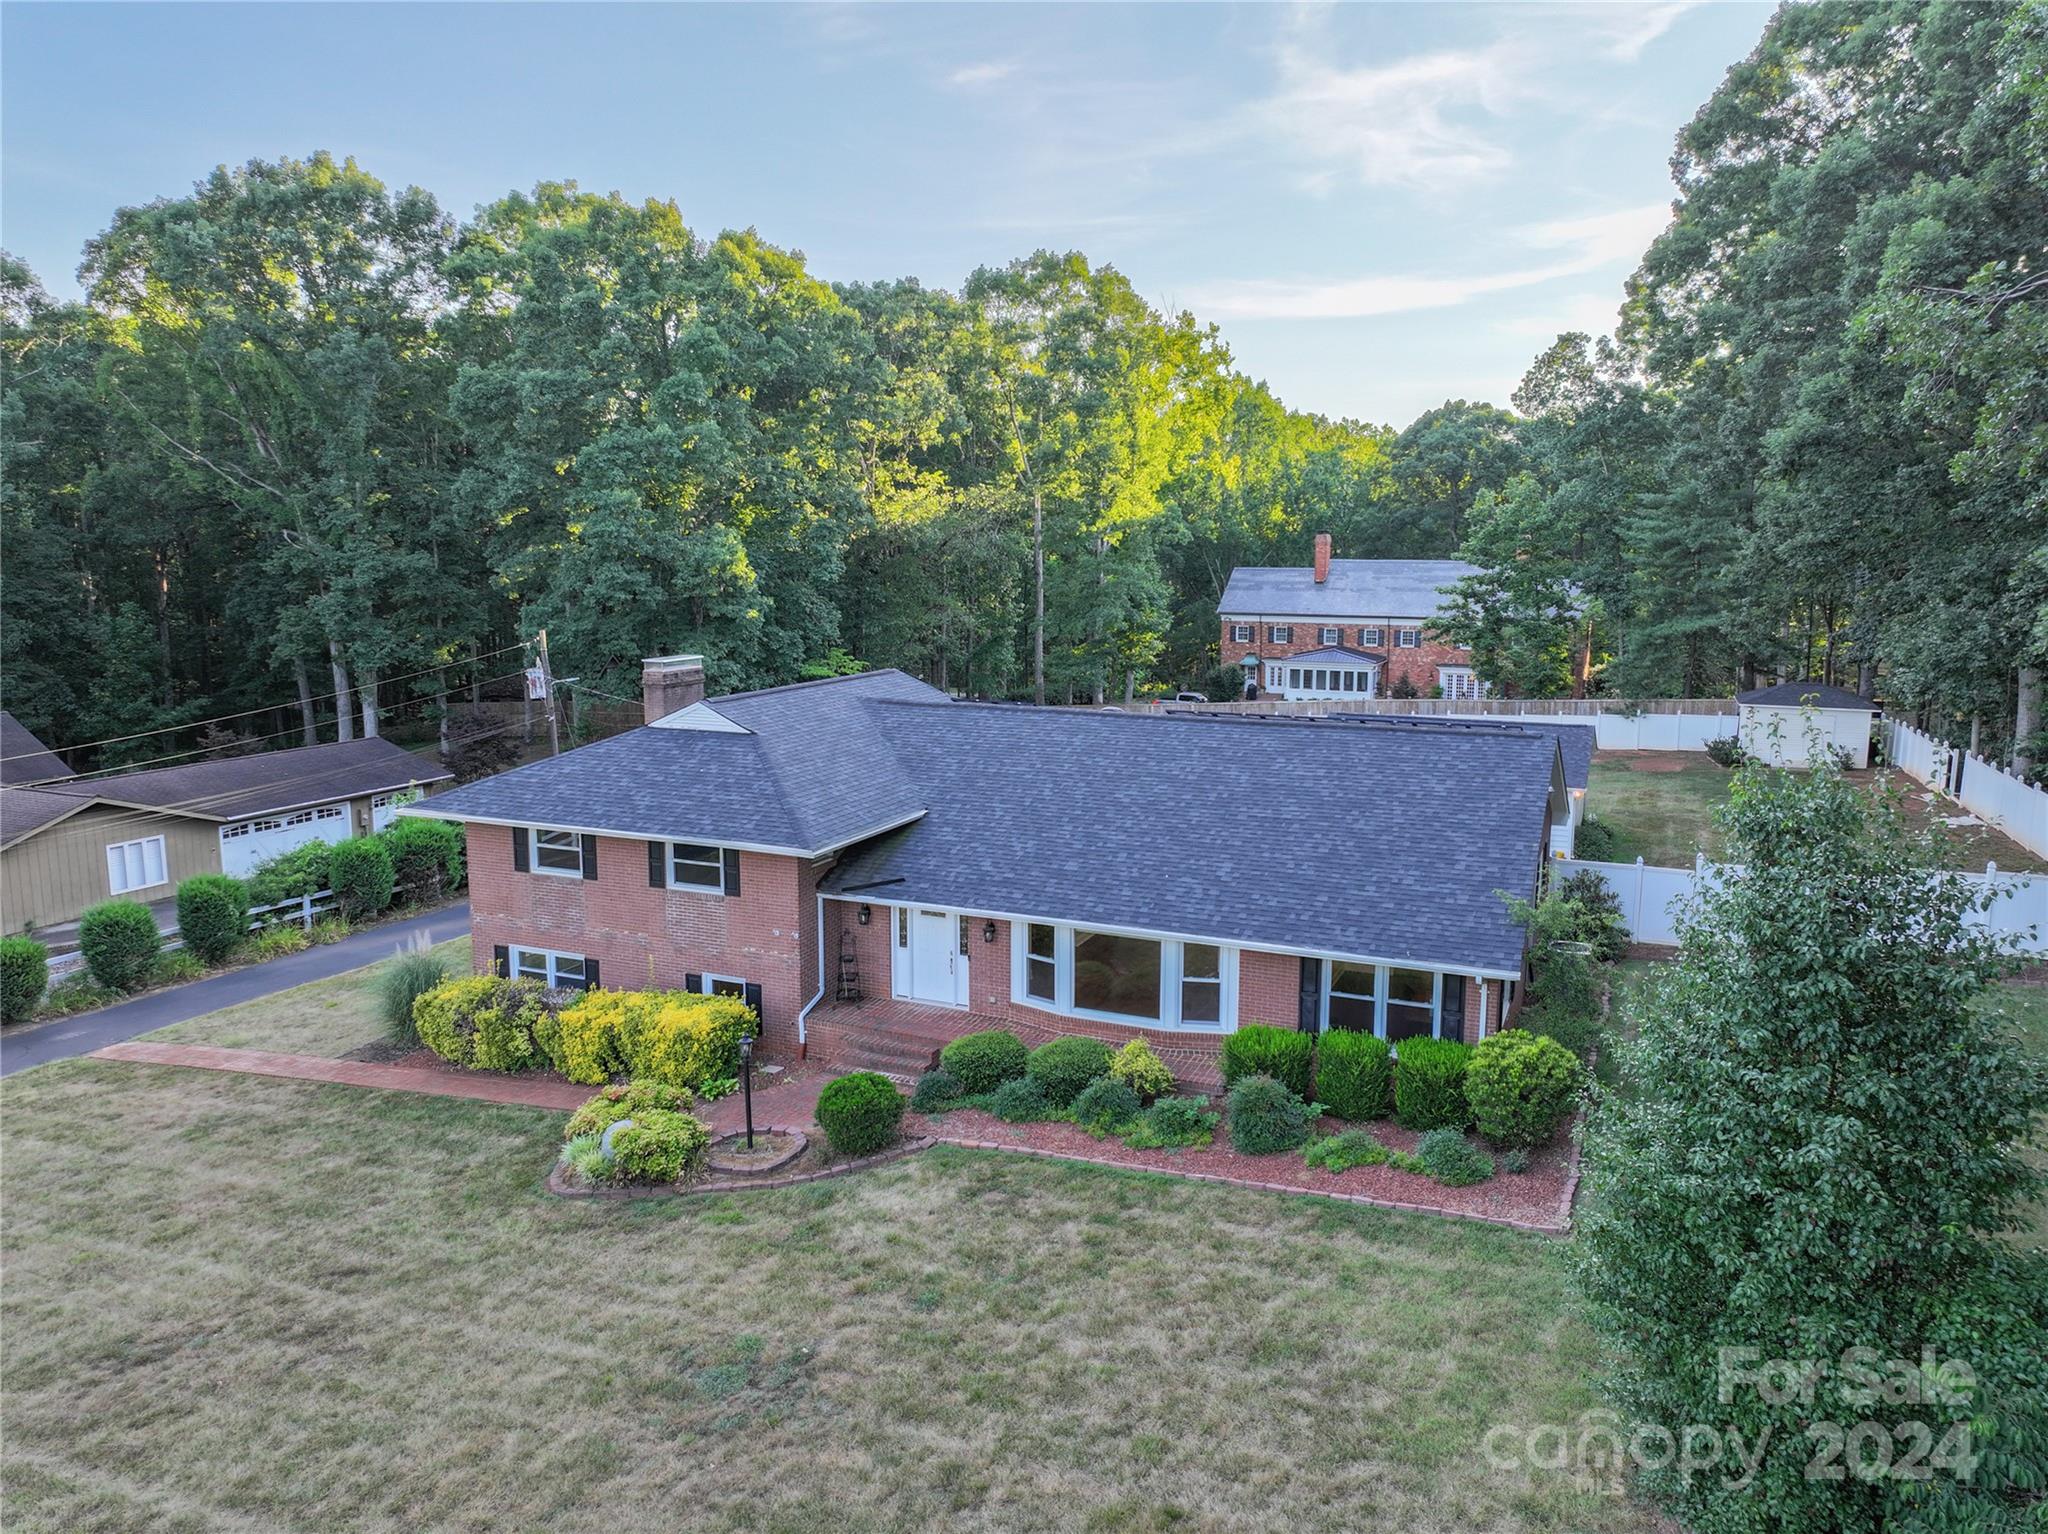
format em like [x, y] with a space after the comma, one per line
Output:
[547, 682]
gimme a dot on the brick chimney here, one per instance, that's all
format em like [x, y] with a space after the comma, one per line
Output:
[668, 683]
[1322, 557]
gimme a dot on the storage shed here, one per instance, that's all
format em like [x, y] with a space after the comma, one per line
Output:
[1779, 724]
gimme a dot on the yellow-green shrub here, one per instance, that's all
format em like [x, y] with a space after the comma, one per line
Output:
[675, 1037]
[442, 1016]
[1142, 1071]
[482, 1022]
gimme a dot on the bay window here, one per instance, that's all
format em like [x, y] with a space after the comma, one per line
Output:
[1121, 978]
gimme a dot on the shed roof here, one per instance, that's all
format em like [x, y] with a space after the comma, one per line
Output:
[1819, 694]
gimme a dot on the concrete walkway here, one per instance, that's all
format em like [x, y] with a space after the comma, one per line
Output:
[63, 1037]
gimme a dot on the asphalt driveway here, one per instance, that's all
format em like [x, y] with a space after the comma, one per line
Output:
[63, 1037]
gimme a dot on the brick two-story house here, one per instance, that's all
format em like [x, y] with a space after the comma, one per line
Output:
[878, 868]
[1344, 629]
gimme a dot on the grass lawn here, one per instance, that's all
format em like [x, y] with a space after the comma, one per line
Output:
[1661, 803]
[327, 1017]
[240, 1303]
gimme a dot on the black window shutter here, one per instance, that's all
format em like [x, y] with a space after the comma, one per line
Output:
[1452, 1025]
[521, 838]
[657, 864]
[501, 961]
[751, 995]
[589, 974]
[589, 856]
[1311, 1012]
[732, 871]
[693, 982]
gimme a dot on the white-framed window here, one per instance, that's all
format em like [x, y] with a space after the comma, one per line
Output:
[1459, 682]
[556, 971]
[557, 852]
[1121, 977]
[722, 985]
[1372, 636]
[1407, 639]
[1276, 676]
[1240, 633]
[1329, 636]
[1281, 633]
[695, 866]
[135, 865]
[384, 807]
[1382, 999]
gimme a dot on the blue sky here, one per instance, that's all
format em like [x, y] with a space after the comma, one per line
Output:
[1382, 206]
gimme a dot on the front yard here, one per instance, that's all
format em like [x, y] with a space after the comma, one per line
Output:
[235, 1302]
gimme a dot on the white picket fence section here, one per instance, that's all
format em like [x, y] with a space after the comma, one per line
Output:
[1981, 787]
[1614, 731]
[1650, 897]
[300, 909]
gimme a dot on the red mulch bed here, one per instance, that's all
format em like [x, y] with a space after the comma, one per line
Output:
[1534, 1197]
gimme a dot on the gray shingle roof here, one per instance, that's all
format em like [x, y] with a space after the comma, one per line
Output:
[1576, 742]
[25, 759]
[1253, 832]
[1357, 588]
[1820, 694]
[806, 771]
[25, 811]
[229, 788]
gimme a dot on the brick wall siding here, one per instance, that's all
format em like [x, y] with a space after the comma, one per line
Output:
[642, 936]
[1417, 665]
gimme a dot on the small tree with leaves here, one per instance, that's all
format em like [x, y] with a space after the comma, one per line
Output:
[1817, 1147]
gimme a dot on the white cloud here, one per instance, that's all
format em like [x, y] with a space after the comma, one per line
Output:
[1627, 29]
[1414, 122]
[969, 75]
[1585, 244]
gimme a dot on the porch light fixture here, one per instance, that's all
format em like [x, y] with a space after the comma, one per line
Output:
[988, 932]
[861, 916]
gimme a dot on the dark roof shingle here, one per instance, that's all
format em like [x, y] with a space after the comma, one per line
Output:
[23, 758]
[1357, 588]
[1819, 694]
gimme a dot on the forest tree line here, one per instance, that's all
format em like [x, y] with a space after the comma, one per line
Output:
[309, 437]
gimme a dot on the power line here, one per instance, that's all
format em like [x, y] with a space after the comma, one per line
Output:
[150, 764]
[193, 724]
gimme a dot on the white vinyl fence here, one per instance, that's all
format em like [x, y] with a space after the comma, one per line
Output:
[1982, 788]
[1650, 896]
[1614, 731]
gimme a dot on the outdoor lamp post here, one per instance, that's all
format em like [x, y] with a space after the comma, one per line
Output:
[747, 1082]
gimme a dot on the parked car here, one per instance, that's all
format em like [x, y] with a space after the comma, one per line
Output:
[1191, 697]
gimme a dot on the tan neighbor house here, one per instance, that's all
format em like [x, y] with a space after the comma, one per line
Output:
[71, 842]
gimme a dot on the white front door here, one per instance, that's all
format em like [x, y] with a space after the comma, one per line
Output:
[935, 957]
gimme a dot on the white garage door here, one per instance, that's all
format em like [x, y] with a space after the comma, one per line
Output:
[250, 842]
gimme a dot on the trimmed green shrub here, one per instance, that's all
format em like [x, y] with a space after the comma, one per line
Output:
[1266, 1115]
[1106, 1105]
[1020, 1100]
[1520, 1086]
[1259, 1049]
[1354, 1075]
[1597, 841]
[659, 1147]
[981, 1062]
[302, 871]
[1142, 1071]
[120, 942]
[1452, 1159]
[1064, 1067]
[213, 916]
[859, 1113]
[1342, 1152]
[1429, 1084]
[482, 1022]
[359, 873]
[426, 857]
[1172, 1122]
[936, 1091]
[624, 1100]
[24, 973]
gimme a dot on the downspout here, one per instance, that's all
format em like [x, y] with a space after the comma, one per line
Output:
[801, 1047]
[1482, 1008]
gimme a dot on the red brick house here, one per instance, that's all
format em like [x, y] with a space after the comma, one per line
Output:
[1344, 629]
[878, 868]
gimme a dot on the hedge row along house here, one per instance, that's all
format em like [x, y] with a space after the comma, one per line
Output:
[880, 869]
[68, 842]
